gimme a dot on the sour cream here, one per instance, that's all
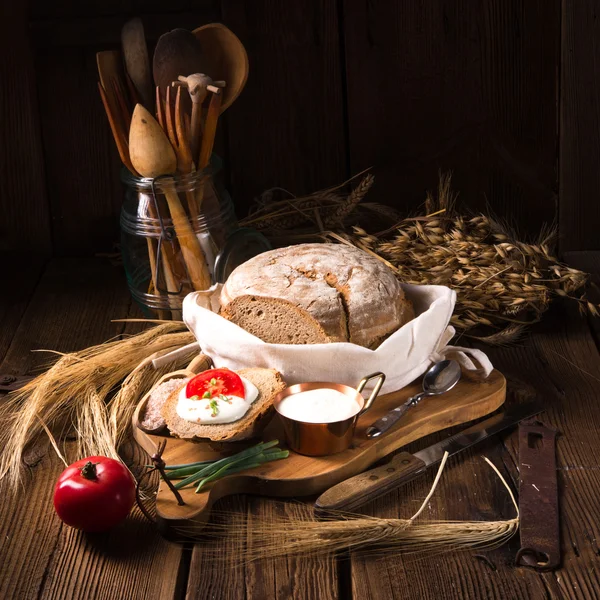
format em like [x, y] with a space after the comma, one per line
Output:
[323, 405]
[223, 410]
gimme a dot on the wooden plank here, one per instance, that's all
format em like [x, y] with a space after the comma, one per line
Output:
[278, 579]
[579, 137]
[589, 262]
[461, 86]
[287, 127]
[556, 363]
[63, 9]
[291, 578]
[72, 307]
[66, 9]
[103, 27]
[21, 279]
[226, 580]
[25, 223]
[82, 163]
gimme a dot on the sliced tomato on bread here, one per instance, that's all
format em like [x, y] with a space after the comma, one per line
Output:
[214, 382]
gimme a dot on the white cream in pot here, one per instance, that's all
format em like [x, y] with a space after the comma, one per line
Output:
[323, 405]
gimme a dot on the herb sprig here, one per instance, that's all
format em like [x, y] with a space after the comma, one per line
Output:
[214, 407]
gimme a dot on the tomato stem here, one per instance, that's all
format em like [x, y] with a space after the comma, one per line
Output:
[89, 470]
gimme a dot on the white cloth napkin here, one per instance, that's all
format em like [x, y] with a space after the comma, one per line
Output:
[403, 357]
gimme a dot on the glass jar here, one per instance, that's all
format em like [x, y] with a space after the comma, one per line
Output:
[173, 230]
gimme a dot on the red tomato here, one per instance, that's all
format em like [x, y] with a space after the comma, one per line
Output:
[94, 493]
[215, 382]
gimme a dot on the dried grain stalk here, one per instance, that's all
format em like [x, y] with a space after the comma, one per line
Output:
[297, 534]
[328, 207]
[502, 283]
[78, 393]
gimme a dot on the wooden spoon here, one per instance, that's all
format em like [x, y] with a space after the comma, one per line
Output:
[137, 63]
[177, 52]
[223, 58]
[152, 156]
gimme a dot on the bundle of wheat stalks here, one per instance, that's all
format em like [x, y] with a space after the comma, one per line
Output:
[502, 284]
[92, 392]
[298, 534]
[326, 209]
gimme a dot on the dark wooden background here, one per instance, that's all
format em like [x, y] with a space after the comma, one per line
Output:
[503, 92]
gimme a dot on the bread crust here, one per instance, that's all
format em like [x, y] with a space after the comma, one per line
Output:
[351, 295]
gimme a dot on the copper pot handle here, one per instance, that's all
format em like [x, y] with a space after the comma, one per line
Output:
[361, 386]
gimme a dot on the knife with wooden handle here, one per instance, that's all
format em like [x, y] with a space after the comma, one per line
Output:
[403, 467]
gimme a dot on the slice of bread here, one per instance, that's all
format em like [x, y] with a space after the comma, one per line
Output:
[269, 384]
[275, 321]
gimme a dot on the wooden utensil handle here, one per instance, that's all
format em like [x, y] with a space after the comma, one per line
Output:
[352, 493]
[188, 242]
[199, 363]
[117, 131]
[210, 129]
[152, 259]
[170, 280]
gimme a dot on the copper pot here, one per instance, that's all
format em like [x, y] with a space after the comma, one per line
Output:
[320, 439]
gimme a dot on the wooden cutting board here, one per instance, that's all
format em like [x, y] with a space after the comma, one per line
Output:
[305, 475]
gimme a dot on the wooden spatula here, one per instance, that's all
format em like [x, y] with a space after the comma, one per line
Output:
[135, 53]
[110, 70]
[210, 129]
[117, 128]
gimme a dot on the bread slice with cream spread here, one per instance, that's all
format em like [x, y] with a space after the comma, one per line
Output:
[268, 382]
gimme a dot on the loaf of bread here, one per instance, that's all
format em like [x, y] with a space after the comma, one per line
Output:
[316, 293]
[269, 384]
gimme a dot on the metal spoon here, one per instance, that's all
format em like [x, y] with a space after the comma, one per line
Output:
[439, 379]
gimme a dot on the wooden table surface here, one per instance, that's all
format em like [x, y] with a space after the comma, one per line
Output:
[69, 304]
